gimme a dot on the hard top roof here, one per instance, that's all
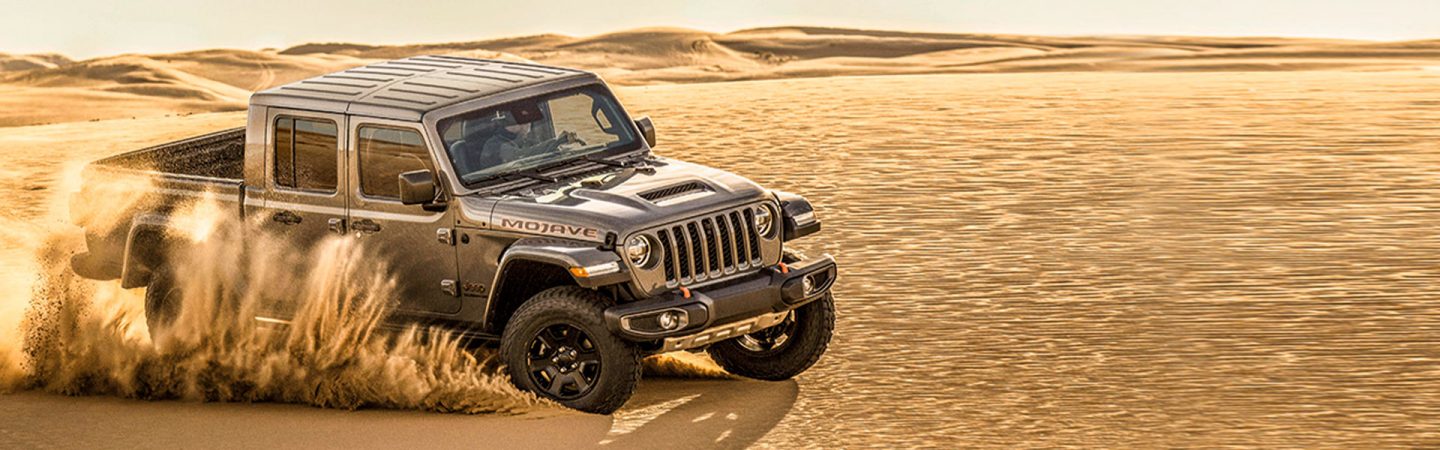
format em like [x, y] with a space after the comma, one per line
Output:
[408, 88]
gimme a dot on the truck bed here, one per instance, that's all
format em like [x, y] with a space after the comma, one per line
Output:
[177, 172]
[216, 155]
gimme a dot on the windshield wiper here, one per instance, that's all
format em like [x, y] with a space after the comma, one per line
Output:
[531, 174]
[537, 173]
[602, 161]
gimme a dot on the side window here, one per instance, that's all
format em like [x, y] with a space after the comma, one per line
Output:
[385, 153]
[306, 151]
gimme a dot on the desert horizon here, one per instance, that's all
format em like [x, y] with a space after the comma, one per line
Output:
[48, 88]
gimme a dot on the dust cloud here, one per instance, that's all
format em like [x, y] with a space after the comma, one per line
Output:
[82, 337]
[684, 365]
[75, 336]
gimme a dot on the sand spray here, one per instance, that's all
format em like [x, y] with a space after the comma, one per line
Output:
[69, 335]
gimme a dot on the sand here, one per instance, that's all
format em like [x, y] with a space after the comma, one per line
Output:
[1098, 255]
[1109, 260]
[37, 89]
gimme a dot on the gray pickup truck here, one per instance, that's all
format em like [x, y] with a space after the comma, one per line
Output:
[513, 202]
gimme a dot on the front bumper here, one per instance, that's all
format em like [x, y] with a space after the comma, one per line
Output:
[715, 313]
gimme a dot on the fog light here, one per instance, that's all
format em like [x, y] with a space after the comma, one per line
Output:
[670, 320]
[809, 284]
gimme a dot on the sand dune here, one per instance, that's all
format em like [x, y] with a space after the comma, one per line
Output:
[112, 87]
[10, 63]
[51, 88]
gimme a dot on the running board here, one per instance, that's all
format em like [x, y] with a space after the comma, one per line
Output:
[467, 335]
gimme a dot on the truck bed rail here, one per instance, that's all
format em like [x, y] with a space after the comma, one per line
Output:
[215, 155]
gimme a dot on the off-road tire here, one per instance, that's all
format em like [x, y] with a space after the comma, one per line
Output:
[583, 309]
[814, 324]
[162, 302]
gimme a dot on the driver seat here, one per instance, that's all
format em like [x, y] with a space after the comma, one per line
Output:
[468, 151]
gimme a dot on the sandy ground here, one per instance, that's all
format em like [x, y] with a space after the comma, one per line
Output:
[1109, 260]
[37, 89]
[664, 414]
[1029, 260]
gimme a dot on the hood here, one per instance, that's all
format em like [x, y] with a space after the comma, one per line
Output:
[621, 201]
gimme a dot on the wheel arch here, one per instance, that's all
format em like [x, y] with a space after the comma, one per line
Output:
[146, 244]
[532, 265]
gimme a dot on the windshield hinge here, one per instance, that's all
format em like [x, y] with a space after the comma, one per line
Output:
[610, 239]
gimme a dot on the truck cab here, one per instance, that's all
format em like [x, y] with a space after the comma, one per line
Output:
[521, 203]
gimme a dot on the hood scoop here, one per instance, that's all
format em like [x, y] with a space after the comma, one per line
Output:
[677, 193]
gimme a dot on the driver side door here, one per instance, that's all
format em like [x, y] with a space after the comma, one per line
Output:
[406, 239]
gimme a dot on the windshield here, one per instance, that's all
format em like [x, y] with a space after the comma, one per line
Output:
[534, 133]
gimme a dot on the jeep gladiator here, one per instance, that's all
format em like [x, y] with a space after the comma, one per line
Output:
[512, 202]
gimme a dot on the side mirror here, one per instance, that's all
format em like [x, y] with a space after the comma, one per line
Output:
[647, 129]
[417, 187]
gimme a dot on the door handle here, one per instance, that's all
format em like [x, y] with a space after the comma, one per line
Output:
[286, 217]
[337, 225]
[365, 226]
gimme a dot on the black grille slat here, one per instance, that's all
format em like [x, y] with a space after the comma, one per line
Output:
[742, 245]
[712, 246]
[682, 247]
[751, 233]
[669, 249]
[697, 251]
[704, 266]
[727, 246]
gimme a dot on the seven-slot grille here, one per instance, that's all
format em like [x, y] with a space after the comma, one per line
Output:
[709, 246]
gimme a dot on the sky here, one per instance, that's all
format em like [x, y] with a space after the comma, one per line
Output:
[89, 28]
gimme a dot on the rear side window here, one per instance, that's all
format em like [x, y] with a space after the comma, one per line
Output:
[385, 153]
[306, 151]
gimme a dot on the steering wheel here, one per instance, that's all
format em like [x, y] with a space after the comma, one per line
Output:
[573, 138]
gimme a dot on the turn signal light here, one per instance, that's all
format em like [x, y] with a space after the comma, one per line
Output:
[595, 270]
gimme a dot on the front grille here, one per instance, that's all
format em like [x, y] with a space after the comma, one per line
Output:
[709, 246]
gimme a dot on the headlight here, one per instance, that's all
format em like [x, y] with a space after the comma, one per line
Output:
[764, 220]
[638, 250]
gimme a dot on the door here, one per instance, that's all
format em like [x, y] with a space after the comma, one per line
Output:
[415, 245]
[305, 172]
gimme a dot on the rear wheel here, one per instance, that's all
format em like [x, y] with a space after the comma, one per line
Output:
[781, 351]
[557, 346]
[162, 302]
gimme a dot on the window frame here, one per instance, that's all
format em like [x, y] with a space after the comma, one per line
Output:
[437, 126]
[360, 165]
[274, 147]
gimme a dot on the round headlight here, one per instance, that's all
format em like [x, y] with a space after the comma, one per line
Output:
[638, 250]
[764, 220]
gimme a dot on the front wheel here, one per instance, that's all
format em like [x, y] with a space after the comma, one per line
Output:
[557, 346]
[784, 350]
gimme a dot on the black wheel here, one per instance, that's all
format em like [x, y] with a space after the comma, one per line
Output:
[781, 351]
[162, 302]
[557, 346]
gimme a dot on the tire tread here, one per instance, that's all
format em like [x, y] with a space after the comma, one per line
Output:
[588, 306]
[792, 361]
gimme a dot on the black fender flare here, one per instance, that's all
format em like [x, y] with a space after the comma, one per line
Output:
[791, 206]
[566, 254]
[150, 236]
[561, 254]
